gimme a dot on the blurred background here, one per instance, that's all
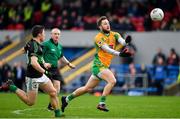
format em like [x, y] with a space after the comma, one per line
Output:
[153, 68]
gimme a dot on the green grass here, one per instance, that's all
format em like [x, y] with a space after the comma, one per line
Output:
[85, 107]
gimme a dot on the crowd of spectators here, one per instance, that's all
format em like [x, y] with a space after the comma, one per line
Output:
[16, 72]
[165, 68]
[125, 15]
[163, 72]
[171, 59]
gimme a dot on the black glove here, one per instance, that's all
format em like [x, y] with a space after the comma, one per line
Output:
[125, 53]
[47, 73]
[128, 39]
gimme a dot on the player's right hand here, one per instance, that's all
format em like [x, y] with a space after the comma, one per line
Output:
[47, 65]
[125, 53]
[47, 73]
[72, 66]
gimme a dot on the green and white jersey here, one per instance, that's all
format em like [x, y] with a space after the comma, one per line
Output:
[52, 52]
[33, 48]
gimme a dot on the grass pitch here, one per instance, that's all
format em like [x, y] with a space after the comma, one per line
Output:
[85, 107]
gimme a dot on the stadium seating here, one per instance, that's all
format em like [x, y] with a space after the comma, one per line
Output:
[82, 15]
[172, 72]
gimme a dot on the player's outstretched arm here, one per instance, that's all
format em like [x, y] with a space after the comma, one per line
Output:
[124, 53]
[106, 48]
[72, 66]
[21, 51]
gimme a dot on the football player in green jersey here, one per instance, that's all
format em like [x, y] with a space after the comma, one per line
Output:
[52, 53]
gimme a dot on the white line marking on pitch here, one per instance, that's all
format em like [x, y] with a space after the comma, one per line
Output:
[20, 112]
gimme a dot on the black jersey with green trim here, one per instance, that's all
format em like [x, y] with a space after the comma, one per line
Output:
[33, 48]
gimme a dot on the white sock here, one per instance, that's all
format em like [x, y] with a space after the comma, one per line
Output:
[67, 100]
[101, 103]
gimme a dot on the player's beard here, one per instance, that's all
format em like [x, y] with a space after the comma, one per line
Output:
[106, 31]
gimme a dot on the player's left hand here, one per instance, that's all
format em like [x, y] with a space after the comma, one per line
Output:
[128, 39]
[125, 53]
[47, 65]
[72, 66]
[47, 73]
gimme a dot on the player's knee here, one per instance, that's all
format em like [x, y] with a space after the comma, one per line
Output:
[57, 87]
[88, 89]
[30, 103]
[53, 93]
[112, 82]
[57, 92]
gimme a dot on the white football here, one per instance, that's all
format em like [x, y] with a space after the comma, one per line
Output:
[157, 14]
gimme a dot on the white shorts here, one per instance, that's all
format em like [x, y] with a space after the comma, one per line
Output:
[32, 84]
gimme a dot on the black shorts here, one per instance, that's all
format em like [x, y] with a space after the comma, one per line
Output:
[55, 74]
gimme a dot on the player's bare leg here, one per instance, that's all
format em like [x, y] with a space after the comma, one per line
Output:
[49, 89]
[108, 76]
[92, 82]
[56, 84]
[28, 98]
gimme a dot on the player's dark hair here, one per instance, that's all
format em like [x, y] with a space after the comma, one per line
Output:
[37, 29]
[100, 20]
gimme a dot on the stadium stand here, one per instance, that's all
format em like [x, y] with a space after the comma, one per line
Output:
[130, 15]
[7, 41]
